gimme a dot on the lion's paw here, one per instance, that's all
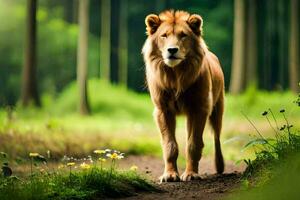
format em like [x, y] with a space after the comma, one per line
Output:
[189, 176]
[170, 177]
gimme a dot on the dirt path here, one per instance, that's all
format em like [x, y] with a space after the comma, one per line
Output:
[210, 187]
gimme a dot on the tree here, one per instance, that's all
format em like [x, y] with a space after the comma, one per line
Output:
[238, 66]
[115, 32]
[105, 47]
[82, 52]
[123, 43]
[294, 46]
[282, 42]
[251, 43]
[29, 90]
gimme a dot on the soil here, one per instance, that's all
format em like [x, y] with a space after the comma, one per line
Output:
[210, 187]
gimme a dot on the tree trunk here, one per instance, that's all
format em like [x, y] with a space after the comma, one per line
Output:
[238, 65]
[105, 47]
[29, 91]
[82, 52]
[282, 41]
[115, 32]
[123, 43]
[251, 50]
[294, 47]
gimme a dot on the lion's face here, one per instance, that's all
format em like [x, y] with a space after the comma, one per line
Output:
[174, 34]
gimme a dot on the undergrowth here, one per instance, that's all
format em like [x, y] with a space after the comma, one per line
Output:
[88, 178]
[274, 173]
[270, 152]
[87, 184]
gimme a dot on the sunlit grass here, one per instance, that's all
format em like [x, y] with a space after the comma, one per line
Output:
[73, 179]
[123, 119]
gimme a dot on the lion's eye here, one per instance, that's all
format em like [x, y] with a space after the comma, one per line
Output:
[164, 35]
[182, 35]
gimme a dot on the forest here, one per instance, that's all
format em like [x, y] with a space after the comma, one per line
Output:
[76, 115]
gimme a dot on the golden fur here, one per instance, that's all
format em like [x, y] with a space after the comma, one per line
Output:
[189, 81]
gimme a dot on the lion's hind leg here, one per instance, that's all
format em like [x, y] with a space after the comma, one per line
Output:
[216, 122]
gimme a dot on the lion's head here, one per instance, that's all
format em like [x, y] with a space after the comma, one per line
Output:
[175, 35]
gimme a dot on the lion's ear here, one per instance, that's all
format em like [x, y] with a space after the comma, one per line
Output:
[152, 23]
[195, 22]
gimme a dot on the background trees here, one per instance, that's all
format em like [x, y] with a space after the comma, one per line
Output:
[294, 46]
[262, 49]
[82, 53]
[238, 60]
[105, 39]
[263, 34]
[29, 82]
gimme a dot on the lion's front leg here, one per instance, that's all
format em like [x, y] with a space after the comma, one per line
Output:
[195, 126]
[166, 122]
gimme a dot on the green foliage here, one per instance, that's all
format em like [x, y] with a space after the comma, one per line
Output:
[119, 118]
[253, 101]
[89, 181]
[106, 99]
[86, 184]
[56, 46]
[274, 173]
[270, 151]
[283, 183]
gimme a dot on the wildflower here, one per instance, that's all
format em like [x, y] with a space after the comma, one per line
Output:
[282, 111]
[107, 150]
[133, 168]
[33, 154]
[115, 156]
[85, 166]
[65, 158]
[70, 164]
[112, 156]
[99, 151]
[120, 156]
[102, 159]
[264, 113]
[60, 166]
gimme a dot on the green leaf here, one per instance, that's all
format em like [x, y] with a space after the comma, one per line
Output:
[254, 143]
[235, 139]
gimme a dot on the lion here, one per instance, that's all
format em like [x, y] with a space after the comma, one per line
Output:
[183, 77]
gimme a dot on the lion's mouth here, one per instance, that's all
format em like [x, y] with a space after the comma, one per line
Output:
[172, 57]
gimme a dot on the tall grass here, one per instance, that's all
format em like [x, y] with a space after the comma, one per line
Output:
[274, 173]
[270, 152]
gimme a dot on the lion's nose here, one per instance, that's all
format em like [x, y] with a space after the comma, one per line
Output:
[172, 50]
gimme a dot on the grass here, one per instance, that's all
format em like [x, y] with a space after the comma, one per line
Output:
[88, 178]
[92, 183]
[274, 173]
[123, 119]
[271, 151]
[283, 183]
